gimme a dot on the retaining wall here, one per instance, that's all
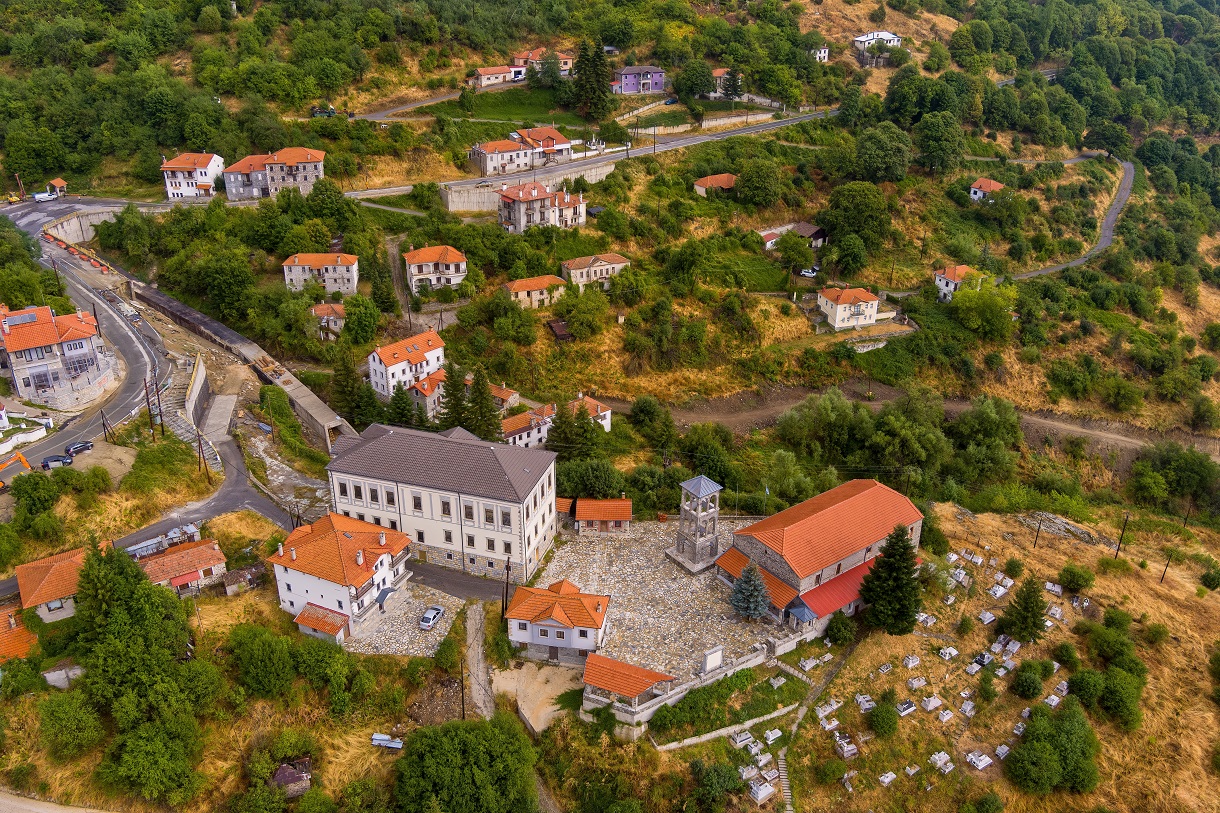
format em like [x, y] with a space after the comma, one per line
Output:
[639, 111]
[487, 198]
[197, 393]
[727, 730]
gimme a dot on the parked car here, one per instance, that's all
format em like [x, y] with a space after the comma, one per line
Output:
[81, 446]
[431, 616]
[44, 197]
[56, 461]
[671, 101]
[808, 272]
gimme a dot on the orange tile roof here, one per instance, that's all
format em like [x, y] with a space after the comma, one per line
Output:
[733, 562]
[718, 72]
[833, 525]
[831, 596]
[428, 385]
[45, 329]
[320, 260]
[322, 619]
[517, 423]
[563, 505]
[497, 390]
[603, 509]
[534, 283]
[15, 640]
[562, 603]
[291, 156]
[413, 350]
[189, 160]
[51, 578]
[528, 191]
[329, 309]
[623, 679]
[987, 185]
[536, 54]
[59, 183]
[539, 136]
[501, 145]
[847, 296]
[955, 273]
[327, 549]
[251, 163]
[434, 254]
[182, 560]
[493, 71]
[589, 262]
[725, 180]
[593, 407]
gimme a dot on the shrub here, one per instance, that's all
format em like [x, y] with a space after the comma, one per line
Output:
[1034, 767]
[831, 770]
[1121, 698]
[264, 660]
[987, 689]
[69, 726]
[319, 661]
[1113, 567]
[1013, 568]
[989, 803]
[316, 800]
[1027, 682]
[932, 538]
[883, 720]
[1087, 684]
[1215, 760]
[1065, 654]
[840, 629]
[1117, 620]
[1075, 578]
[448, 655]
[1211, 579]
[965, 626]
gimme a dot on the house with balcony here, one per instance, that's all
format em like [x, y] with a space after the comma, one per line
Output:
[337, 273]
[530, 429]
[814, 555]
[848, 307]
[558, 623]
[524, 149]
[192, 175]
[331, 574]
[405, 362]
[49, 584]
[533, 204]
[627, 687]
[331, 317]
[263, 176]
[638, 79]
[862, 42]
[594, 270]
[535, 292]
[468, 504]
[58, 361]
[433, 267]
[186, 568]
[534, 57]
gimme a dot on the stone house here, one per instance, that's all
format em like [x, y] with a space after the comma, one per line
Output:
[603, 516]
[814, 555]
[524, 149]
[535, 292]
[862, 42]
[638, 79]
[623, 682]
[596, 269]
[57, 361]
[848, 307]
[192, 175]
[434, 267]
[405, 362]
[337, 273]
[49, 584]
[530, 429]
[984, 188]
[331, 317]
[558, 623]
[263, 176]
[242, 579]
[533, 204]
[186, 568]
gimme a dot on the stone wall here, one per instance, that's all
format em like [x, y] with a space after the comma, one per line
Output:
[197, 393]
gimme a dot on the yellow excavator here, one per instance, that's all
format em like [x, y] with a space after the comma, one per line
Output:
[15, 457]
[14, 198]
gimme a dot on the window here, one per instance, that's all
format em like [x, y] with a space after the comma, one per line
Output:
[373, 495]
[506, 518]
[292, 604]
[360, 517]
[472, 560]
[58, 604]
[449, 556]
[417, 502]
[838, 568]
[376, 520]
[359, 493]
[468, 512]
[470, 540]
[342, 489]
[817, 580]
[347, 513]
[288, 587]
[489, 516]
[340, 603]
[393, 525]
[508, 548]
[448, 537]
[523, 626]
[491, 545]
[544, 634]
[207, 571]
[389, 498]
[559, 634]
[445, 512]
[419, 537]
[584, 633]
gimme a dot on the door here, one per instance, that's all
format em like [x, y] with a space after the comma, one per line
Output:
[553, 654]
[423, 556]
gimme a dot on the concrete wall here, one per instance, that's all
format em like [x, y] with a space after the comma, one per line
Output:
[197, 393]
[487, 198]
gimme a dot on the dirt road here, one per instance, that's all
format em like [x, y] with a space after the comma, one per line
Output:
[476, 660]
[19, 804]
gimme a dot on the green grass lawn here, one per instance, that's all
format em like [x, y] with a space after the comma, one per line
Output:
[516, 105]
[754, 271]
[726, 106]
[671, 117]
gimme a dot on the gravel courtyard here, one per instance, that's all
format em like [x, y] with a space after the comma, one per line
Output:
[660, 616]
[397, 632]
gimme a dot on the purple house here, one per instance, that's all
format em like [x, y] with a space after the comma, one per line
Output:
[639, 79]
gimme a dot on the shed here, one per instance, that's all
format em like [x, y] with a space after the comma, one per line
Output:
[293, 781]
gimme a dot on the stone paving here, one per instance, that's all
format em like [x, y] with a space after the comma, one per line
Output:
[660, 616]
[397, 632]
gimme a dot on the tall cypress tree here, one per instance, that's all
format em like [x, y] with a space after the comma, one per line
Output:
[750, 597]
[891, 588]
[367, 409]
[1022, 618]
[482, 417]
[453, 398]
[561, 437]
[601, 101]
[345, 384]
[401, 411]
[585, 78]
[586, 434]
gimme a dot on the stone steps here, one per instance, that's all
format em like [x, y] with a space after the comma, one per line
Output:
[785, 788]
[173, 405]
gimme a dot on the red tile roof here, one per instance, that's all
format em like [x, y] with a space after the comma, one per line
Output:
[955, 273]
[291, 156]
[413, 350]
[832, 596]
[847, 296]
[434, 254]
[187, 559]
[542, 137]
[833, 525]
[528, 191]
[623, 679]
[724, 180]
[596, 259]
[592, 406]
[562, 603]
[327, 549]
[320, 260]
[329, 309]
[322, 619]
[603, 509]
[251, 163]
[501, 145]
[494, 71]
[563, 506]
[536, 54]
[534, 283]
[733, 562]
[987, 185]
[51, 578]
[428, 385]
[45, 329]
[59, 183]
[719, 72]
[517, 423]
[189, 160]
[15, 640]
[770, 236]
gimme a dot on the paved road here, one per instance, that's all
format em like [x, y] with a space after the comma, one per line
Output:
[10, 803]
[457, 582]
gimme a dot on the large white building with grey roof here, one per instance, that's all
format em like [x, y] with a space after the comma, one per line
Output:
[466, 503]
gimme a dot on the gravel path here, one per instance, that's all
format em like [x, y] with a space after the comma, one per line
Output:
[480, 678]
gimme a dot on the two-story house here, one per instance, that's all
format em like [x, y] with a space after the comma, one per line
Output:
[533, 204]
[49, 584]
[862, 42]
[187, 567]
[331, 317]
[535, 292]
[337, 273]
[950, 279]
[534, 57]
[263, 176]
[530, 429]
[434, 267]
[594, 270]
[429, 390]
[637, 79]
[558, 623]
[405, 362]
[814, 555]
[848, 307]
[192, 175]
[329, 575]
[483, 508]
[524, 149]
[984, 188]
[54, 360]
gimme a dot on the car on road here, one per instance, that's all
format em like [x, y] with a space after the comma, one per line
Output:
[431, 616]
[56, 461]
[81, 446]
[44, 197]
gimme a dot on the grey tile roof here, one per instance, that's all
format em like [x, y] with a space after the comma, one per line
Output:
[701, 486]
[455, 461]
[639, 69]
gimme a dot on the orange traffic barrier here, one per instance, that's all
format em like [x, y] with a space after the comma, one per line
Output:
[61, 244]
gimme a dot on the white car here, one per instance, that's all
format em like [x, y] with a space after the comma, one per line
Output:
[43, 197]
[431, 616]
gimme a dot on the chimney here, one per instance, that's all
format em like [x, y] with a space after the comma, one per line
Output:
[599, 606]
[622, 495]
[381, 539]
[360, 557]
[279, 549]
[80, 316]
[533, 191]
[503, 186]
[12, 622]
[293, 553]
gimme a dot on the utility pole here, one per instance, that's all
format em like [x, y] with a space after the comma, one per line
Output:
[508, 567]
[202, 463]
[1185, 518]
[1037, 533]
[105, 426]
[463, 681]
[160, 412]
[1166, 570]
[148, 403]
[1123, 533]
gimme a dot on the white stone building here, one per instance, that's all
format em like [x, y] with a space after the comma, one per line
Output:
[949, 280]
[434, 267]
[533, 204]
[530, 429]
[337, 273]
[984, 188]
[405, 362]
[57, 361]
[524, 149]
[594, 270]
[862, 42]
[263, 176]
[558, 623]
[848, 307]
[192, 175]
[466, 503]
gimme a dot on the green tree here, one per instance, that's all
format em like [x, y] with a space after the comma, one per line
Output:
[1110, 137]
[360, 320]
[264, 660]
[987, 310]
[940, 141]
[1075, 577]
[1027, 680]
[401, 411]
[856, 208]
[368, 409]
[586, 433]
[759, 183]
[561, 437]
[465, 99]
[482, 417]
[695, 79]
[68, 725]
[345, 384]
[794, 252]
[840, 629]
[551, 73]
[883, 720]
[883, 153]
[1022, 617]
[453, 398]
[1034, 767]
[750, 597]
[891, 589]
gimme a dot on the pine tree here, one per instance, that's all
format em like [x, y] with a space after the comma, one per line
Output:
[601, 100]
[586, 434]
[891, 588]
[1023, 617]
[401, 411]
[367, 410]
[453, 398]
[732, 84]
[585, 78]
[420, 419]
[345, 384]
[482, 417]
[750, 597]
[561, 437]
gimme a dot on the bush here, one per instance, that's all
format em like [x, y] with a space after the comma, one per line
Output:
[705, 707]
[264, 660]
[1117, 620]
[840, 629]
[1065, 654]
[1087, 684]
[319, 661]
[1211, 579]
[1113, 567]
[1075, 578]
[448, 655]
[989, 803]
[1013, 568]
[965, 626]
[1034, 767]
[831, 770]
[987, 689]
[1121, 698]
[1027, 681]
[316, 801]
[932, 538]
[69, 726]
[883, 720]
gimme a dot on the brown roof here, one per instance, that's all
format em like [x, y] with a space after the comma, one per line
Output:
[180, 560]
[434, 254]
[808, 230]
[520, 422]
[534, 283]
[291, 156]
[322, 619]
[623, 679]
[51, 578]
[562, 603]
[833, 525]
[531, 190]
[847, 296]
[15, 640]
[327, 549]
[251, 163]
[589, 262]
[724, 180]
[329, 309]
[733, 562]
[603, 509]
[189, 160]
[413, 350]
[956, 273]
[537, 54]
[718, 72]
[592, 406]
[44, 329]
[59, 183]
[320, 260]
[429, 383]
[501, 145]
[987, 185]
[542, 137]
[495, 71]
[563, 506]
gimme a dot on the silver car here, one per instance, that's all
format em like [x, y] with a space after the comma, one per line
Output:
[431, 616]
